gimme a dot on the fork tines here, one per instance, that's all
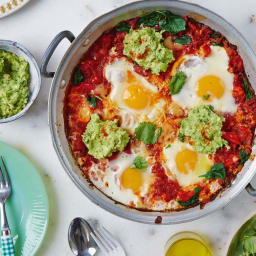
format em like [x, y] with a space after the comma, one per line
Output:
[3, 172]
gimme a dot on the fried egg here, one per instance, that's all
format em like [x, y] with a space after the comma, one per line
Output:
[121, 182]
[208, 81]
[185, 163]
[136, 98]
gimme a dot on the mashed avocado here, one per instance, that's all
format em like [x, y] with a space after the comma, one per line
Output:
[14, 77]
[146, 48]
[102, 138]
[203, 126]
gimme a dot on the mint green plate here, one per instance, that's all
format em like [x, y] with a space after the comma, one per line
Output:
[27, 208]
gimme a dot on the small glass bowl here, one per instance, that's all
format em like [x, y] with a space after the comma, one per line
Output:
[187, 235]
[35, 77]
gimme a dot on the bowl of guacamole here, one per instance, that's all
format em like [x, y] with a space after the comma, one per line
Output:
[20, 80]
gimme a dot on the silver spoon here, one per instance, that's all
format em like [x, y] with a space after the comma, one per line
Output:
[79, 238]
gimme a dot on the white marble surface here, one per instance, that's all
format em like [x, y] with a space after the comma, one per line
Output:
[35, 26]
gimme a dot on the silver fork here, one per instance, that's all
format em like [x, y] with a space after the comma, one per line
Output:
[5, 192]
[107, 242]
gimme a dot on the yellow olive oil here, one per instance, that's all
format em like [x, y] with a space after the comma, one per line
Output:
[187, 244]
[188, 247]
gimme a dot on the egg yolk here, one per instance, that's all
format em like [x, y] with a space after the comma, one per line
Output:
[132, 179]
[210, 86]
[186, 160]
[176, 64]
[135, 95]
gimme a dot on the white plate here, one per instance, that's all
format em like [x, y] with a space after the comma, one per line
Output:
[9, 6]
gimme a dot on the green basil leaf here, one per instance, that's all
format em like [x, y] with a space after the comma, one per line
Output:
[217, 171]
[173, 24]
[148, 133]
[78, 76]
[247, 90]
[140, 163]
[177, 82]
[183, 40]
[192, 200]
[123, 26]
[243, 156]
[92, 101]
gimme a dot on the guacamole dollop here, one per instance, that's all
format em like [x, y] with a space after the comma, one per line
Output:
[14, 78]
[102, 138]
[145, 47]
[203, 126]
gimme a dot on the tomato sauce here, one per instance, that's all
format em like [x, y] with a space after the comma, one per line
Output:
[238, 129]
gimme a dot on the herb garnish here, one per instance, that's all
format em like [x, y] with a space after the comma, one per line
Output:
[140, 163]
[217, 171]
[247, 90]
[168, 146]
[243, 156]
[92, 101]
[177, 82]
[148, 133]
[123, 26]
[217, 44]
[166, 20]
[206, 96]
[78, 76]
[192, 200]
[215, 35]
[151, 19]
[181, 137]
[249, 243]
[183, 40]
[173, 24]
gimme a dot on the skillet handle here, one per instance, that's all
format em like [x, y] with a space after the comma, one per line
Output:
[251, 190]
[50, 50]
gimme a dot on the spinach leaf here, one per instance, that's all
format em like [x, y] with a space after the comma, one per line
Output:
[247, 90]
[183, 40]
[243, 156]
[192, 200]
[92, 101]
[148, 133]
[173, 24]
[217, 171]
[78, 76]
[151, 19]
[140, 163]
[123, 26]
[177, 82]
[166, 20]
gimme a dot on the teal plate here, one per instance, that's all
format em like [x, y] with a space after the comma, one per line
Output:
[27, 208]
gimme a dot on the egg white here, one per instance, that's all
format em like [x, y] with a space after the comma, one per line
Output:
[112, 175]
[192, 177]
[116, 74]
[196, 67]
